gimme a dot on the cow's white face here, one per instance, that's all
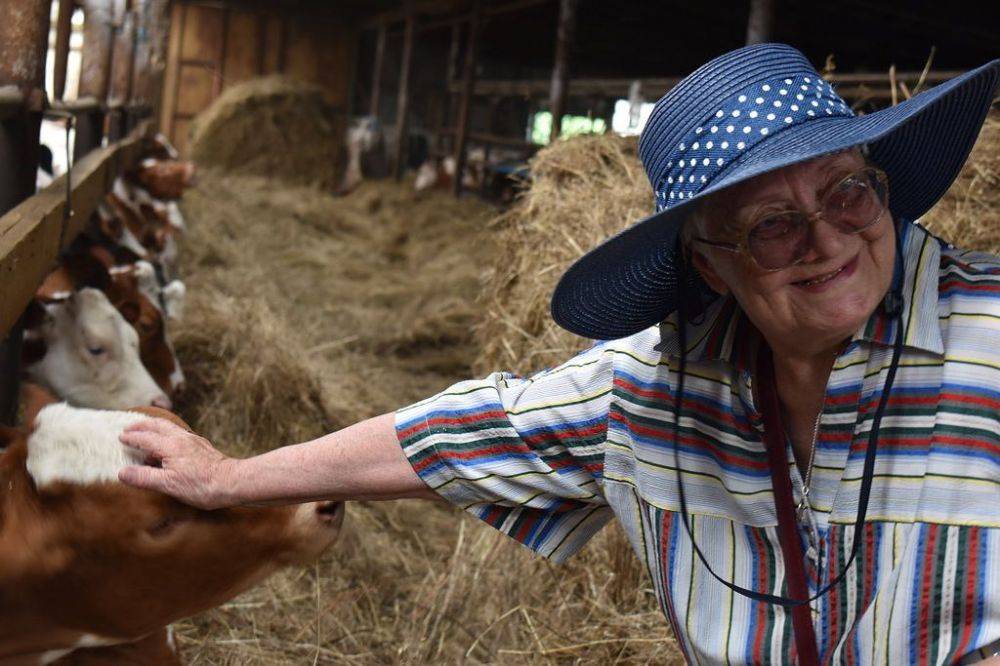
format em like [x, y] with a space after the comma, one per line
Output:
[92, 356]
[79, 445]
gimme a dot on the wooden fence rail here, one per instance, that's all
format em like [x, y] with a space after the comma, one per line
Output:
[34, 232]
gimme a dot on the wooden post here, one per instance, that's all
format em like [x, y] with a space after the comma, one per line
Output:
[560, 70]
[24, 37]
[95, 73]
[403, 96]
[448, 111]
[468, 81]
[122, 69]
[377, 73]
[98, 40]
[152, 31]
[64, 29]
[761, 21]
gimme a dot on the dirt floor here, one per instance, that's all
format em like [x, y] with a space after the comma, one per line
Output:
[309, 312]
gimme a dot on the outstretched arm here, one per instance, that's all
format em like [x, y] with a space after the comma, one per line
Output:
[361, 462]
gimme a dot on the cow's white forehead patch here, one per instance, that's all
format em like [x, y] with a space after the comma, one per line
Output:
[79, 445]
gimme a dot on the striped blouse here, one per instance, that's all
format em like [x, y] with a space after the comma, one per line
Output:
[548, 460]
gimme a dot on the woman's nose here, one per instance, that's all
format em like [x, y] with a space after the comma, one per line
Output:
[825, 240]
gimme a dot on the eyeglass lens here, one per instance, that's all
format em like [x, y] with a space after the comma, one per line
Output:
[853, 205]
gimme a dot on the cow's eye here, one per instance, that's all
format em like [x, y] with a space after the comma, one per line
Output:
[163, 526]
[96, 351]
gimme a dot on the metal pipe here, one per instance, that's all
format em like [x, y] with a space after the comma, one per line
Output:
[64, 29]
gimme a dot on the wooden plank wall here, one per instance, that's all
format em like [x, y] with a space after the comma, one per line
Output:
[215, 46]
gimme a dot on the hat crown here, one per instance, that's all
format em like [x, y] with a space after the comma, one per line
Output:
[694, 101]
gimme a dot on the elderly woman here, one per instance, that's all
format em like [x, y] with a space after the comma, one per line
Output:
[794, 409]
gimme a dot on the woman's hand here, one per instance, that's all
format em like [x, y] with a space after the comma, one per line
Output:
[179, 463]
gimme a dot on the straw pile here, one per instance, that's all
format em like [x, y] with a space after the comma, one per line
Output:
[583, 191]
[308, 312]
[272, 126]
[969, 214]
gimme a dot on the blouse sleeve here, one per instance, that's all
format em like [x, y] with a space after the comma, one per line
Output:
[524, 455]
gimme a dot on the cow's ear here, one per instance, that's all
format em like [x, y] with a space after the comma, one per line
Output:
[130, 309]
[87, 271]
[34, 315]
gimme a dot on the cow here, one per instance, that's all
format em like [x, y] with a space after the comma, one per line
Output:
[365, 144]
[93, 571]
[163, 179]
[135, 292]
[81, 348]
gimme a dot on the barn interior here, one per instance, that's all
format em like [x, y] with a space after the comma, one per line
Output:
[311, 306]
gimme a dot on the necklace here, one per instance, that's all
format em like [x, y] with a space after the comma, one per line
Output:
[803, 505]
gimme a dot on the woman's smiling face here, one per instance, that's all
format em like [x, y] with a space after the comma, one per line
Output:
[815, 304]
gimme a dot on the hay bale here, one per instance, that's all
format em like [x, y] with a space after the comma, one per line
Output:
[583, 190]
[272, 126]
[968, 215]
[247, 387]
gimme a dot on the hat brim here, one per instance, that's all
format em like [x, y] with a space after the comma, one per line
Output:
[631, 281]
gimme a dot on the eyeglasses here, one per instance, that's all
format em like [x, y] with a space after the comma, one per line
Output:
[781, 239]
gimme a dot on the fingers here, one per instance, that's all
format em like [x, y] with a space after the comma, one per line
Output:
[148, 478]
[150, 443]
[162, 426]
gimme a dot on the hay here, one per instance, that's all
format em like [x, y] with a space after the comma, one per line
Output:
[309, 312]
[969, 213]
[582, 191]
[272, 126]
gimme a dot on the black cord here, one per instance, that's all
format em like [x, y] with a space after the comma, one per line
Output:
[893, 307]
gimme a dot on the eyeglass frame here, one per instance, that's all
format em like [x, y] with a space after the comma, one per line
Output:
[743, 247]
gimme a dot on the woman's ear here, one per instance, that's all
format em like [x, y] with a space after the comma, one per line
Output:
[708, 273]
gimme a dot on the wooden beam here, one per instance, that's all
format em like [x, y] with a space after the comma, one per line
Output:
[446, 10]
[653, 88]
[98, 39]
[565, 30]
[377, 72]
[64, 29]
[468, 80]
[152, 33]
[403, 96]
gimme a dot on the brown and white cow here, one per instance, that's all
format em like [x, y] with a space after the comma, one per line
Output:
[92, 570]
[83, 350]
[135, 292]
[163, 179]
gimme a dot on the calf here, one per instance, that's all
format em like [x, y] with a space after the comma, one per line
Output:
[82, 349]
[92, 570]
[135, 292]
[163, 179]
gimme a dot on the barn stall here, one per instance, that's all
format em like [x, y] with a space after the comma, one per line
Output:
[310, 309]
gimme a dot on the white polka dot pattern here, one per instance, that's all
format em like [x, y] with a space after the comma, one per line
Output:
[755, 114]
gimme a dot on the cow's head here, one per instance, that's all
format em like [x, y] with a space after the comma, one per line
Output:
[82, 554]
[90, 354]
[135, 292]
[163, 179]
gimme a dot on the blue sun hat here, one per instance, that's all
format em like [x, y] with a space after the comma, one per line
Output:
[743, 114]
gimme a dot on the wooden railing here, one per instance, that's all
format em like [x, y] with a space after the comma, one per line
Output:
[33, 233]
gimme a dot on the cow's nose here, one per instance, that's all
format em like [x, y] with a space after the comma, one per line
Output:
[329, 512]
[162, 401]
